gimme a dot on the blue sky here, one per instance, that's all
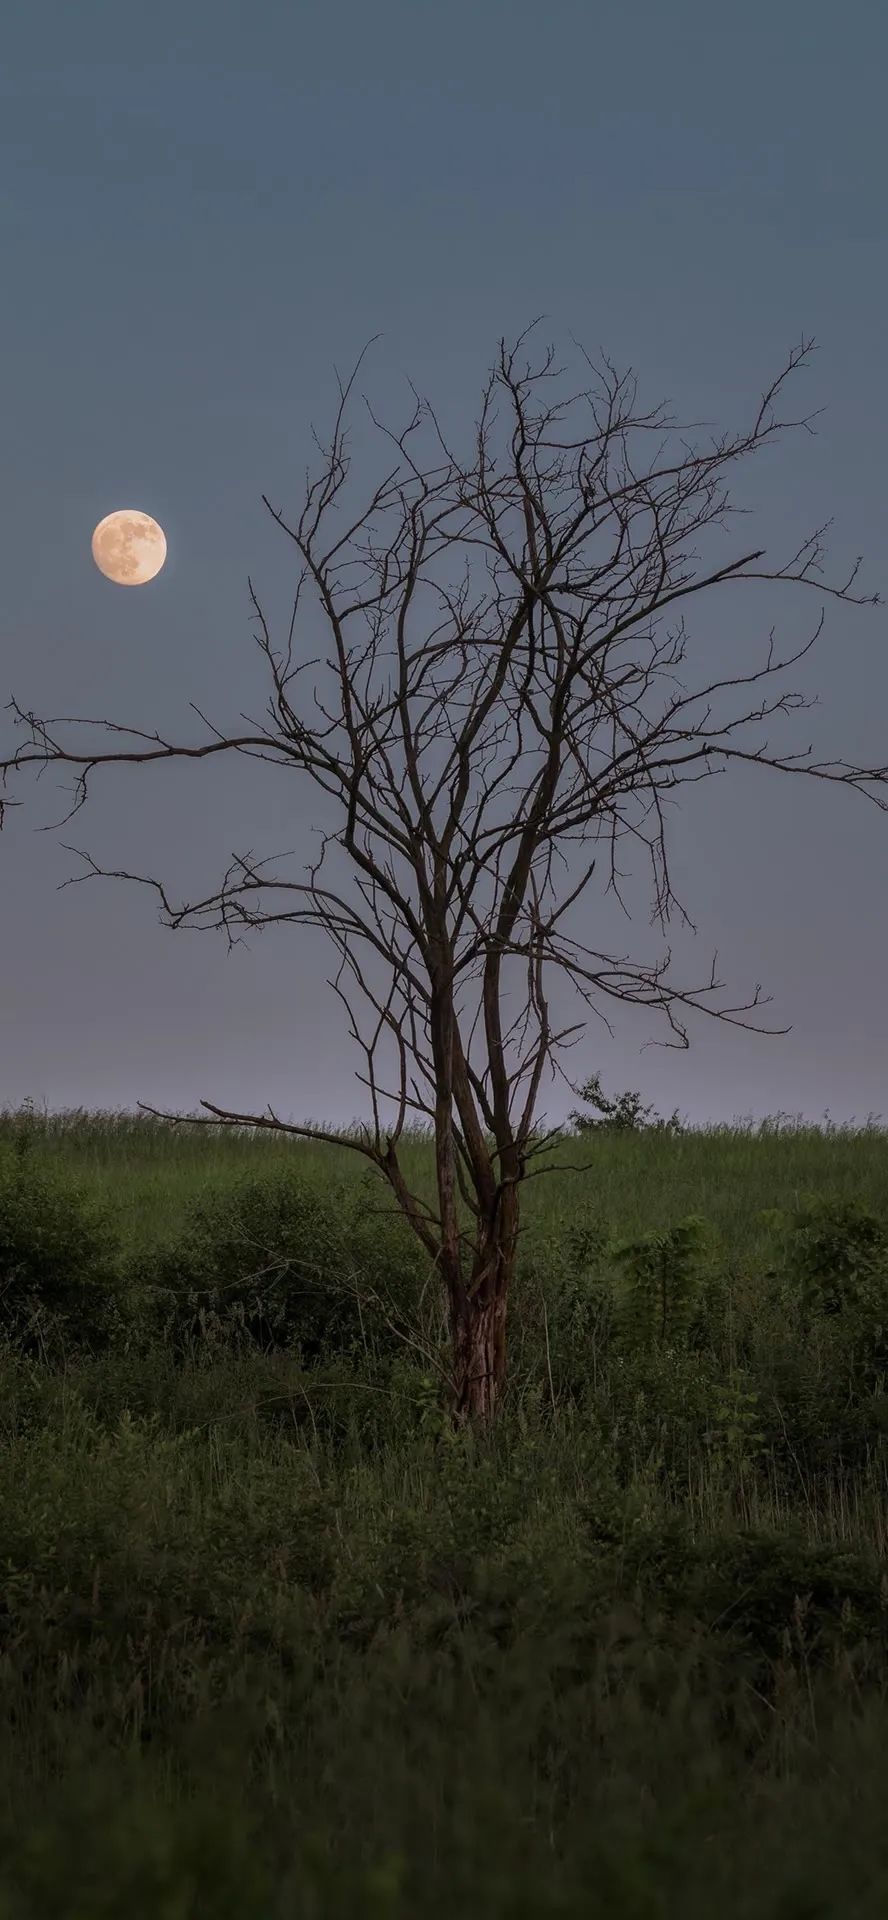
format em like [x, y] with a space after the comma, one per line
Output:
[208, 208]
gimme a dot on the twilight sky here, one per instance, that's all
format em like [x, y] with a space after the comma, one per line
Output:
[208, 209]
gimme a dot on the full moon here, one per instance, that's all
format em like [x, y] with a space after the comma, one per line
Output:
[129, 547]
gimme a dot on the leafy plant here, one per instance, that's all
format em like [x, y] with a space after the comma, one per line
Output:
[664, 1283]
[839, 1253]
[735, 1436]
[625, 1115]
[267, 1262]
[59, 1280]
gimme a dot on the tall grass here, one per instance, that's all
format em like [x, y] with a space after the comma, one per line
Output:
[147, 1170]
[274, 1642]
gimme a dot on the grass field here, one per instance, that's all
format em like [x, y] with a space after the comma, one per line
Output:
[276, 1643]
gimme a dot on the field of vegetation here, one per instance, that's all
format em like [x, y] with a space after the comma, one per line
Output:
[276, 1641]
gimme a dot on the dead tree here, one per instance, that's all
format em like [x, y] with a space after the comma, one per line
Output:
[538, 693]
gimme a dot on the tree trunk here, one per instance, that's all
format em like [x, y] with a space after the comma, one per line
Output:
[478, 1318]
[479, 1359]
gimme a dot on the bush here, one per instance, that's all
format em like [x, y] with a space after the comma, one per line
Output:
[59, 1263]
[397, 1282]
[583, 1298]
[664, 1292]
[269, 1262]
[839, 1255]
[661, 1405]
[625, 1115]
[784, 1593]
[561, 1312]
[831, 1378]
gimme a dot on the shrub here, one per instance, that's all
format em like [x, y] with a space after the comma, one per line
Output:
[835, 1263]
[660, 1404]
[560, 1314]
[783, 1594]
[59, 1263]
[839, 1254]
[397, 1284]
[268, 1261]
[665, 1284]
[625, 1115]
[252, 1266]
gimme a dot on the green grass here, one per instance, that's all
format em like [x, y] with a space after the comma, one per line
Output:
[273, 1644]
[146, 1171]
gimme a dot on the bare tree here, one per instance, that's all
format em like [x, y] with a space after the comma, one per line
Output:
[538, 692]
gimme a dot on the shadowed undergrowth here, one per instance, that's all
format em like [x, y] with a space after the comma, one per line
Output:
[275, 1642]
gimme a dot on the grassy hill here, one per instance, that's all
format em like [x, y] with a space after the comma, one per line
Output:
[275, 1642]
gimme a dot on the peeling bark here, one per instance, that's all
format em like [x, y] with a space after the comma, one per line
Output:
[480, 1360]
